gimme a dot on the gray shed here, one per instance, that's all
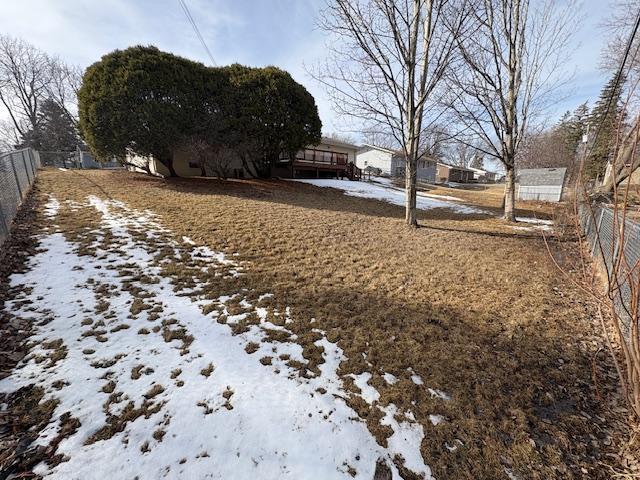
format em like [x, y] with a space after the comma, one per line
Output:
[543, 184]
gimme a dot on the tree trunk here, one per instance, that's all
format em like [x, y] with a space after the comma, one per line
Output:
[626, 163]
[167, 161]
[172, 171]
[410, 188]
[510, 194]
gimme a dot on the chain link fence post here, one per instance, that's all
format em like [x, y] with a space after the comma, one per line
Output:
[15, 173]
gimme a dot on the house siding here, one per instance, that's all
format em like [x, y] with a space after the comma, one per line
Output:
[451, 173]
[426, 171]
[376, 159]
[394, 164]
[182, 158]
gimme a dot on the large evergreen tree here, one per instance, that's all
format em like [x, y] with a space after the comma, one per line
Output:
[271, 114]
[608, 121]
[150, 103]
[54, 132]
[143, 101]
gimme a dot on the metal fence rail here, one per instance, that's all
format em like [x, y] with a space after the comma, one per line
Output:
[603, 234]
[18, 171]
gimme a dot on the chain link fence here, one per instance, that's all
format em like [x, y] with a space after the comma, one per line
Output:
[18, 171]
[603, 232]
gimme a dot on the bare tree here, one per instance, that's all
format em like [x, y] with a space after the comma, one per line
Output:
[65, 81]
[512, 64]
[8, 138]
[215, 158]
[380, 138]
[461, 152]
[342, 137]
[28, 77]
[24, 80]
[385, 65]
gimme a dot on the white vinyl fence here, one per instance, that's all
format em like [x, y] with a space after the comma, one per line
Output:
[18, 171]
[541, 193]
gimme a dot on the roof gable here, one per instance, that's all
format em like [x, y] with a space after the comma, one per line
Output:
[541, 176]
[337, 143]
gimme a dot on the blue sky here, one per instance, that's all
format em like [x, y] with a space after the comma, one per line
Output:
[252, 32]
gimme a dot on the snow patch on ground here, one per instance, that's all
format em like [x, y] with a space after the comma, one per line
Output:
[536, 223]
[52, 207]
[435, 393]
[388, 193]
[441, 197]
[436, 419]
[369, 393]
[206, 408]
[390, 378]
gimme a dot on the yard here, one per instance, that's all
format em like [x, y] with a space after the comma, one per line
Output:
[270, 329]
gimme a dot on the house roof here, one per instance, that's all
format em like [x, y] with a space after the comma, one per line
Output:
[482, 171]
[368, 146]
[541, 176]
[338, 143]
[454, 166]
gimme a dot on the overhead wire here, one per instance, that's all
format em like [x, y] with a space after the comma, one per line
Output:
[194, 25]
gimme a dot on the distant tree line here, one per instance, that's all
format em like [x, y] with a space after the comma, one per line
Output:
[38, 93]
[142, 101]
[559, 146]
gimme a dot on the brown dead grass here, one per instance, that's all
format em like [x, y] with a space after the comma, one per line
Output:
[489, 197]
[476, 310]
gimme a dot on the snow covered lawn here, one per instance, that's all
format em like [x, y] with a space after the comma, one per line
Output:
[158, 377]
[386, 192]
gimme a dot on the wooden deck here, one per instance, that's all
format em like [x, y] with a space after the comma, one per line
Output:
[318, 164]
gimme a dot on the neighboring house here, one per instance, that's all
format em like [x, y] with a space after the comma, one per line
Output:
[483, 176]
[329, 159]
[79, 158]
[392, 163]
[542, 184]
[451, 173]
[633, 179]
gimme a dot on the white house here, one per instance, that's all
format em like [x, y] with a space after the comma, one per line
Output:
[392, 162]
[331, 158]
[483, 176]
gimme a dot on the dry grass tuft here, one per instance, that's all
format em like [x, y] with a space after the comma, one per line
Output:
[207, 371]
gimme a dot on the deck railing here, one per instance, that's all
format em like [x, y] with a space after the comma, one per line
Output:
[324, 157]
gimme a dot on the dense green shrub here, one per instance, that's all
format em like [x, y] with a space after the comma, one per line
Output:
[271, 114]
[147, 102]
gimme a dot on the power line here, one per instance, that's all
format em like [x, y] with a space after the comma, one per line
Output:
[619, 75]
[187, 13]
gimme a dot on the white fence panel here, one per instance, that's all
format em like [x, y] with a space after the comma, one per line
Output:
[542, 193]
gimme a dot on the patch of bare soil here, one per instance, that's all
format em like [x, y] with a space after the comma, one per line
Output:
[474, 309]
